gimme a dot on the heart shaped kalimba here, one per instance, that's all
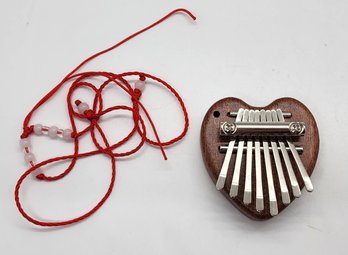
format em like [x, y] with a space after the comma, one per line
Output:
[260, 158]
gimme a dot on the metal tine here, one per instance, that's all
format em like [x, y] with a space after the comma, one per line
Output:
[236, 172]
[271, 116]
[293, 181]
[224, 169]
[307, 181]
[272, 196]
[249, 165]
[258, 173]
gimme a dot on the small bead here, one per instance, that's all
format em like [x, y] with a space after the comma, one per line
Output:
[29, 157]
[82, 107]
[67, 134]
[140, 85]
[38, 129]
[25, 143]
[53, 132]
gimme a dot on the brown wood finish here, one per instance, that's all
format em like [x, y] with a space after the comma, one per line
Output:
[210, 141]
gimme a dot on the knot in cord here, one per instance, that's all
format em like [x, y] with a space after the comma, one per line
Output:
[136, 95]
[92, 116]
[27, 131]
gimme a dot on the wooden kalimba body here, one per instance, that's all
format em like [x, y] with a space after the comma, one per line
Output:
[260, 158]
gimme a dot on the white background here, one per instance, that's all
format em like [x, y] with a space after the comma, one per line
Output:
[254, 50]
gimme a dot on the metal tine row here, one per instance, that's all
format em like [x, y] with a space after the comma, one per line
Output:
[245, 115]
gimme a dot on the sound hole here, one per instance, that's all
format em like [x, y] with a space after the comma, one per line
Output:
[216, 114]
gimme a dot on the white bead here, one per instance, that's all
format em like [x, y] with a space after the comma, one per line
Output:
[29, 157]
[67, 134]
[53, 132]
[82, 107]
[25, 143]
[38, 129]
[140, 85]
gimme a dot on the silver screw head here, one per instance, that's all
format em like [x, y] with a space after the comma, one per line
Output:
[228, 128]
[297, 128]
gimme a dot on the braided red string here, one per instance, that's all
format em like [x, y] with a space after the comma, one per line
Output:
[93, 115]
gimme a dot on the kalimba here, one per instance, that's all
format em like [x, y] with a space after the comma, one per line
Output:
[260, 158]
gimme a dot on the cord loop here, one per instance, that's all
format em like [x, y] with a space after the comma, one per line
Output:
[103, 146]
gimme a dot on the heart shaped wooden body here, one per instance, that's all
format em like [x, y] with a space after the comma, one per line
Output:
[211, 140]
